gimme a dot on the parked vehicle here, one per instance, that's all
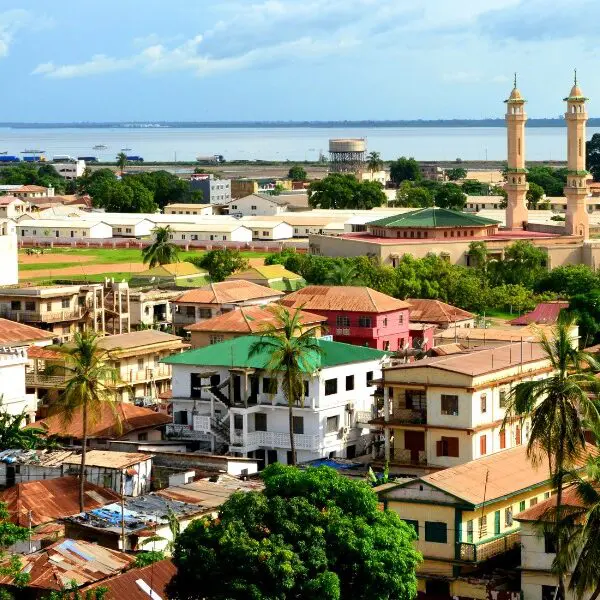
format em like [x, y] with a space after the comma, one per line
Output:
[7, 158]
[135, 158]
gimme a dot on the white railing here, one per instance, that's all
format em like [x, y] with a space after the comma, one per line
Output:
[186, 431]
[274, 439]
[202, 424]
[363, 416]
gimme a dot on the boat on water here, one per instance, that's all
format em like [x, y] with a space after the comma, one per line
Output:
[32, 151]
[4, 152]
[125, 149]
[100, 147]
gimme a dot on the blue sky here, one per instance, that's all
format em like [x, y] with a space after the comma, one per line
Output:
[291, 59]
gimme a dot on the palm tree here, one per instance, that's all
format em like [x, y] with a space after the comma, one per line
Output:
[558, 406]
[14, 434]
[580, 524]
[121, 161]
[91, 387]
[343, 274]
[374, 162]
[293, 352]
[162, 251]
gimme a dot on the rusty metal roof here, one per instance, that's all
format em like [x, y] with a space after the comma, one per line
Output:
[436, 311]
[44, 500]
[109, 458]
[544, 313]
[41, 458]
[134, 584]
[15, 334]
[71, 560]
[227, 292]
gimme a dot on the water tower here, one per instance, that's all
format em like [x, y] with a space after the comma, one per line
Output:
[347, 155]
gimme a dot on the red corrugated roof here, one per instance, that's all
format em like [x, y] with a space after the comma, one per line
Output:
[227, 292]
[435, 311]
[44, 353]
[537, 512]
[14, 334]
[545, 313]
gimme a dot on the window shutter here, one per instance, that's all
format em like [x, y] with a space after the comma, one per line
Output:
[502, 439]
[439, 448]
[483, 445]
[453, 446]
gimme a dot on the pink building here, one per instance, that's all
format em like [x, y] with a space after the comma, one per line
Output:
[356, 315]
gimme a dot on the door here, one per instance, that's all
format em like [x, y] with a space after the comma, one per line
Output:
[497, 523]
[237, 389]
[253, 390]
[271, 456]
[415, 442]
[196, 385]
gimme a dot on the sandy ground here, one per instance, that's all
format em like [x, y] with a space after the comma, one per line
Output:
[485, 176]
[30, 259]
[85, 270]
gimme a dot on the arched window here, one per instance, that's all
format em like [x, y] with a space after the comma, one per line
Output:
[514, 180]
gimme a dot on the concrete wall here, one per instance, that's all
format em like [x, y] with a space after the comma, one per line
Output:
[9, 274]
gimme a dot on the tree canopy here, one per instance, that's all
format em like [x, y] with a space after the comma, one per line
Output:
[221, 262]
[34, 174]
[592, 156]
[404, 168]
[311, 534]
[297, 173]
[340, 190]
[456, 173]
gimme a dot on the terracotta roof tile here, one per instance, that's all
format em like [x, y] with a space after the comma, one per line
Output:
[436, 311]
[44, 353]
[249, 320]
[227, 292]
[126, 585]
[131, 418]
[346, 298]
[46, 500]
[14, 334]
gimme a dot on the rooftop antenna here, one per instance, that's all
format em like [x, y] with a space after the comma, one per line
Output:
[515, 83]
[575, 76]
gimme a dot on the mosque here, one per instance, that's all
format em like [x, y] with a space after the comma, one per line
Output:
[449, 233]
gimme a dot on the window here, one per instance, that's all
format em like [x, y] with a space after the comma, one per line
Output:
[546, 495]
[48, 306]
[330, 387]
[30, 306]
[386, 345]
[15, 305]
[503, 396]
[502, 436]
[65, 303]
[522, 506]
[204, 313]
[385, 321]
[215, 339]
[253, 207]
[142, 437]
[298, 424]
[482, 526]
[533, 502]
[364, 322]
[342, 321]
[447, 446]
[497, 523]
[234, 206]
[190, 311]
[450, 405]
[508, 516]
[265, 233]
[518, 436]
[483, 444]
[333, 424]
[549, 543]
[369, 378]
[470, 531]
[549, 592]
[349, 382]
[260, 422]
[415, 399]
[483, 403]
[238, 422]
[413, 524]
[127, 229]
[306, 388]
[140, 364]
[269, 385]
[436, 531]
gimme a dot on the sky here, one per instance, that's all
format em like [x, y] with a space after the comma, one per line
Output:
[239, 60]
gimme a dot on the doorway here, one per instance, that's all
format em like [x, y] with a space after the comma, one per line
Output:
[415, 442]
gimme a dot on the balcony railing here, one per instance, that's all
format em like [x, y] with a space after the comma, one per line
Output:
[35, 316]
[186, 432]
[140, 375]
[409, 416]
[363, 416]
[273, 439]
[483, 551]
[41, 380]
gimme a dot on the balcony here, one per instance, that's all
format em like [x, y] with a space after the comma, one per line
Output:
[143, 375]
[41, 380]
[483, 551]
[408, 416]
[273, 439]
[175, 430]
[403, 456]
[34, 316]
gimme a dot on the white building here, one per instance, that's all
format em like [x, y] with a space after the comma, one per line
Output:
[13, 397]
[270, 230]
[210, 231]
[12, 207]
[77, 229]
[9, 251]
[227, 400]
[187, 208]
[256, 205]
[69, 169]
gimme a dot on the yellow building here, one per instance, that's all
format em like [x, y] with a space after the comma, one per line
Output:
[465, 515]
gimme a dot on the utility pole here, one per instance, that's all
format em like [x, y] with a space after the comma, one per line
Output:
[123, 510]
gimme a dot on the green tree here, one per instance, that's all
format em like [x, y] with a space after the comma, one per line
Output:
[552, 181]
[592, 156]
[90, 388]
[569, 280]
[294, 353]
[141, 198]
[121, 161]
[221, 262]
[297, 173]
[534, 194]
[456, 173]
[72, 592]
[374, 162]
[343, 274]
[14, 435]
[586, 309]
[404, 168]
[143, 559]
[340, 190]
[312, 534]
[523, 264]
[450, 196]
[473, 187]
[162, 251]
[410, 196]
[558, 406]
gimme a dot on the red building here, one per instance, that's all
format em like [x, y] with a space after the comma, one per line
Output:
[356, 315]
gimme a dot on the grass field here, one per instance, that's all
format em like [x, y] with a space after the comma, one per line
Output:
[66, 263]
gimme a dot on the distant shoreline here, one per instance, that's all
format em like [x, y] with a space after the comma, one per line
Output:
[447, 123]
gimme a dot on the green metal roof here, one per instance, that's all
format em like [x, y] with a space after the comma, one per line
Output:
[234, 353]
[433, 217]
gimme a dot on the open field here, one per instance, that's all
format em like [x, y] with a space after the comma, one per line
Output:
[95, 264]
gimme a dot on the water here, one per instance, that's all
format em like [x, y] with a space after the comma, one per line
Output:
[293, 143]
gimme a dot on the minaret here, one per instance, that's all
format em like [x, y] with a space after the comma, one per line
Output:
[516, 183]
[576, 189]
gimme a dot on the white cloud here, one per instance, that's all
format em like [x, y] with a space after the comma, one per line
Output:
[10, 23]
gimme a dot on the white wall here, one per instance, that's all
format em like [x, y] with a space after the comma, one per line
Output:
[241, 234]
[13, 398]
[255, 206]
[9, 273]
[282, 231]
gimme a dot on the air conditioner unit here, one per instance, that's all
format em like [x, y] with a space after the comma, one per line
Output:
[343, 431]
[350, 407]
